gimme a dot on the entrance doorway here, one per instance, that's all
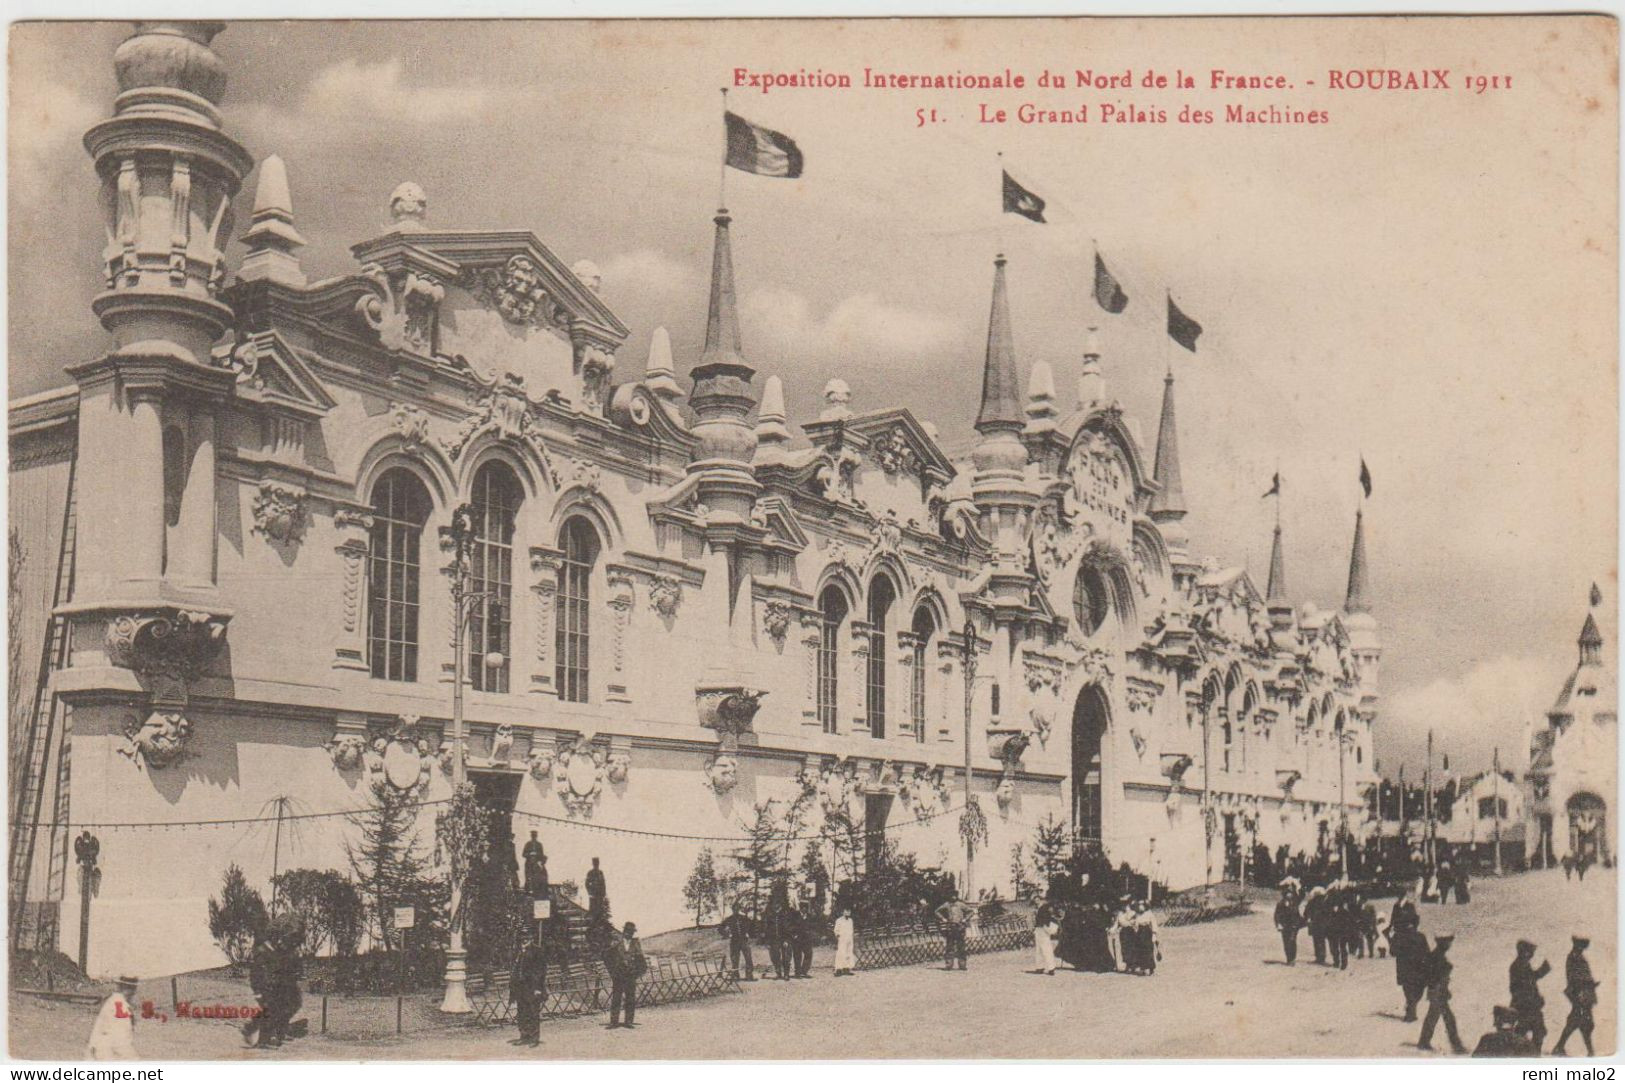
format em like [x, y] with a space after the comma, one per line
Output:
[496, 921]
[876, 807]
[1089, 718]
[1588, 827]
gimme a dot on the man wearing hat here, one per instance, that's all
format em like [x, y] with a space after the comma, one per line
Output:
[1439, 968]
[1527, 1003]
[626, 964]
[112, 1036]
[1507, 1039]
[1582, 993]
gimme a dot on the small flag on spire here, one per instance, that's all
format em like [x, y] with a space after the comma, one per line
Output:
[1017, 200]
[1596, 595]
[1181, 328]
[1365, 477]
[755, 149]
[1275, 487]
[1108, 294]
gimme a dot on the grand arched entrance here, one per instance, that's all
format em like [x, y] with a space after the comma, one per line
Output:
[1090, 715]
[1588, 826]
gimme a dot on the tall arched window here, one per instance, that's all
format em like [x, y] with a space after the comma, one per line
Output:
[400, 507]
[497, 497]
[881, 596]
[580, 544]
[1228, 743]
[925, 626]
[831, 614]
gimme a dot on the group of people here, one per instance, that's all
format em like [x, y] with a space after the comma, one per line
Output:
[791, 931]
[1124, 938]
[1341, 922]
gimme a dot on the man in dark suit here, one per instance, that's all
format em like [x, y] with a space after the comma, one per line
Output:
[1582, 993]
[527, 988]
[737, 928]
[626, 964]
[1439, 968]
[597, 891]
[801, 941]
[1527, 1003]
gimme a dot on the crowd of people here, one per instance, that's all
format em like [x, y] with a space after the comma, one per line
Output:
[1343, 922]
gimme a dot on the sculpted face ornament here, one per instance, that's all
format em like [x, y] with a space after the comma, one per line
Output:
[160, 741]
[279, 512]
[722, 773]
[348, 751]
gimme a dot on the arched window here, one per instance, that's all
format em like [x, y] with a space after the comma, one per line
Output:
[1091, 599]
[832, 613]
[497, 497]
[881, 596]
[925, 627]
[580, 544]
[174, 484]
[400, 507]
[1227, 736]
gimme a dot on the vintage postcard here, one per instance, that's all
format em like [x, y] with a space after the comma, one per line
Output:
[813, 539]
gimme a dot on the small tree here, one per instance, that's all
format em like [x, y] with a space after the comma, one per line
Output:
[702, 887]
[238, 918]
[1020, 882]
[1051, 847]
[391, 870]
[327, 905]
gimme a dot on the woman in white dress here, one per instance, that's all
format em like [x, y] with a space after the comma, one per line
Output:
[1045, 925]
[845, 956]
[112, 1036]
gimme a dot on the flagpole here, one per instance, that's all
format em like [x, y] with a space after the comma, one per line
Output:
[722, 179]
[998, 228]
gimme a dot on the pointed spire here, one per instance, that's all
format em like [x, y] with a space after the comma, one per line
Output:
[1358, 600]
[722, 345]
[1001, 390]
[1276, 595]
[271, 236]
[1169, 501]
[771, 430]
[659, 373]
[1040, 397]
[1590, 642]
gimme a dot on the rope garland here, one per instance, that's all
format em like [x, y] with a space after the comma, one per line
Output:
[163, 825]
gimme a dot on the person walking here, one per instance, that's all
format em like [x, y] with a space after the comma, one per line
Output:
[1288, 920]
[535, 859]
[112, 1035]
[1147, 944]
[261, 967]
[527, 988]
[803, 928]
[1410, 951]
[1568, 867]
[955, 917]
[1339, 927]
[1527, 1003]
[1463, 895]
[736, 927]
[1439, 968]
[1314, 913]
[625, 962]
[1582, 993]
[778, 938]
[1045, 926]
[846, 956]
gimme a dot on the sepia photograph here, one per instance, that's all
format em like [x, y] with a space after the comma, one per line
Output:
[813, 539]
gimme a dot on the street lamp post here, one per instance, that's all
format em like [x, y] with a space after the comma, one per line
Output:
[970, 684]
[460, 537]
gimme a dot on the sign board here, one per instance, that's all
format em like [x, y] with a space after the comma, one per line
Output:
[405, 917]
[541, 909]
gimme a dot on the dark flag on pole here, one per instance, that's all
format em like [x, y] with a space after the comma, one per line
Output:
[755, 149]
[1596, 595]
[1181, 328]
[1108, 293]
[1017, 200]
[1275, 487]
[1365, 478]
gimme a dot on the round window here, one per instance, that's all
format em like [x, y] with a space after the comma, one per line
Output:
[1091, 600]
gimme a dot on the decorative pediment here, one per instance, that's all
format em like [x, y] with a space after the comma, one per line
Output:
[896, 442]
[775, 515]
[271, 372]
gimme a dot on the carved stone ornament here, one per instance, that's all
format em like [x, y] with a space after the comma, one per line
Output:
[1138, 740]
[502, 408]
[836, 787]
[411, 425]
[502, 744]
[279, 512]
[835, 474]
[1005, 795]
[172, 643]
[776, 618]
[516, 292]
[665, 595]
[596, 365]
[402, 308]
[1042, 716]
[348, 751]
[444, 754]
[888, 536]
[161, 741]
[895, 454]
[1007, 747]
[730, 710]
[722, 772]
[618, 766]
[1174, 766]
[402, 757]
[1140, 696]
[585, 473]
[578, 772]
[540, 761]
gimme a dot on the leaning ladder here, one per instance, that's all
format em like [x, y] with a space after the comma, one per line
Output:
[36, 755]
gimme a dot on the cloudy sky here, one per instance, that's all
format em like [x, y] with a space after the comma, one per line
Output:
[1429, 280]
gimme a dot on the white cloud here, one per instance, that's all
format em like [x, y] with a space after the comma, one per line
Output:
[646, 271]
[1491, 704]
[859, 325]
[47, 121]
[351, 86]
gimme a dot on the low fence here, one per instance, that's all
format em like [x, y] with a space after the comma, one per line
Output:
[1195, 907]
[916, 944]
[583, 989]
